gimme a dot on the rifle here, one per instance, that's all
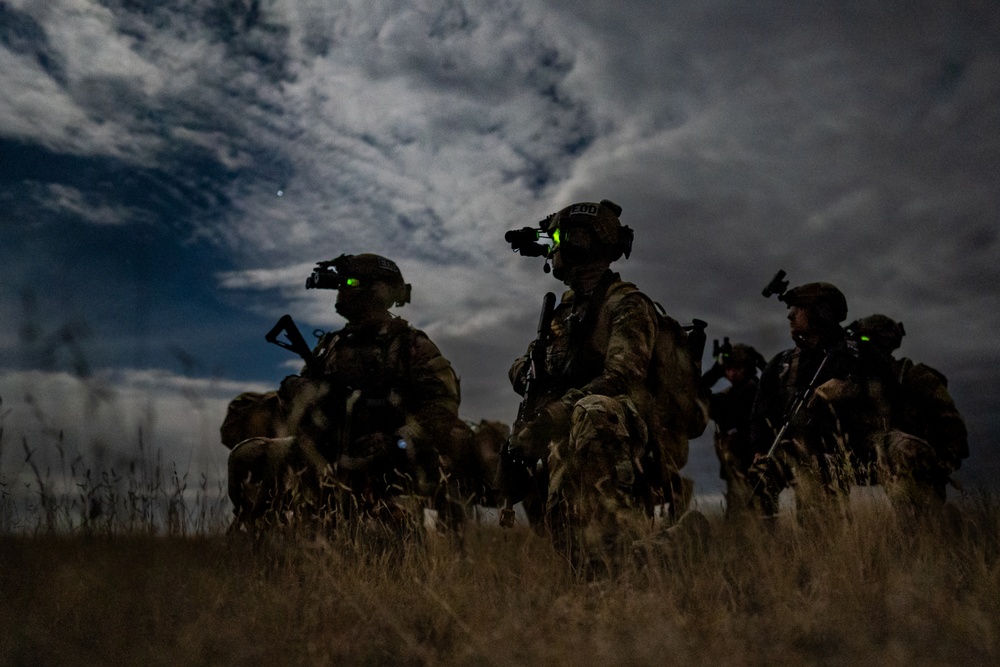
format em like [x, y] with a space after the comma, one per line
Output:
[800, 399]
[779, 285]
[696, 340]
[513, 474]
[294, 340]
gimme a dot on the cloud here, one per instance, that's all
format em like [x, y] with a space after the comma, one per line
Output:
[115, 417]
[76, 82]
[852, 144]
[414, 141]
[76, 204]
[262, 279]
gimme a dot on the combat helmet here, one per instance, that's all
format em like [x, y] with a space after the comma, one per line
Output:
[882, 331]
[823, 299]
[744, 355]
[600, 219]
[360, 270]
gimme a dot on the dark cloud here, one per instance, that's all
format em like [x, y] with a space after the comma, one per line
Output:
[22, 34]
[143, 146]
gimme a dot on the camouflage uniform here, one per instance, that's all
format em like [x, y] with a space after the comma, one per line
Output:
[606, 446]
[814, 454]
[811, 455]
[921, 404]
[598, 389]
[373, 418]
[845, 433]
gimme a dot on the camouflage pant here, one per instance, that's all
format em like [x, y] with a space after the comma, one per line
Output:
[591, 509]
[285, 480]
[823, 455]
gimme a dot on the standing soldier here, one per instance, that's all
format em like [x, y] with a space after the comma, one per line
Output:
[922, 407]
[369, 419]
[601, 435]
[730, 409]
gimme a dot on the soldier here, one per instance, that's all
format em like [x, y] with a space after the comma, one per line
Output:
[923, 407]
[730, 409]
[372, 418]
[843, 432]
[602, 441]
[820, 355]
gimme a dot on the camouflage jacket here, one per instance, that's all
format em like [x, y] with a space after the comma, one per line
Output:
[784, 378]
[602, 343]
[393, 381]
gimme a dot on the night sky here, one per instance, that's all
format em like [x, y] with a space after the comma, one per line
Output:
[171, 171]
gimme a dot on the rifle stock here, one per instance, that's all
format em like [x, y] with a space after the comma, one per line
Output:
[294, 340]
[536, 368]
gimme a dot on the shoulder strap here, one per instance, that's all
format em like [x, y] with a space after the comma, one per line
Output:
[597, 301]
[400, 329]
[596, 304]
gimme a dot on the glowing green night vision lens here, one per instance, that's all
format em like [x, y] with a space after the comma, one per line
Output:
[353, 282]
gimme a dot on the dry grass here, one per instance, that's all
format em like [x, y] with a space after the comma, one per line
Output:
[133, 567]
[129, 565]
[866, 590]
[65, 494]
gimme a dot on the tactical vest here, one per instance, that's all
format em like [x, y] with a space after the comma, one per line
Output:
[369, 376]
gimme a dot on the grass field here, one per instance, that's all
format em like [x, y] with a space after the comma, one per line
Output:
[134, 567]
[869, 589]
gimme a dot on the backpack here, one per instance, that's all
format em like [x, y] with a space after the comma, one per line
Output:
[675, 377]
[679, 408]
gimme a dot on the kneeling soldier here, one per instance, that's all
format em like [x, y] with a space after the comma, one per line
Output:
[368, 421]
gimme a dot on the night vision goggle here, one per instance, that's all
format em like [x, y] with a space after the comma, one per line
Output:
[526, 240]
[600, 220]
[326, 276]
[359, 272]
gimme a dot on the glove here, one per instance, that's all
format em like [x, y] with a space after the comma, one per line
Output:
[763, 467]
[530, 442]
